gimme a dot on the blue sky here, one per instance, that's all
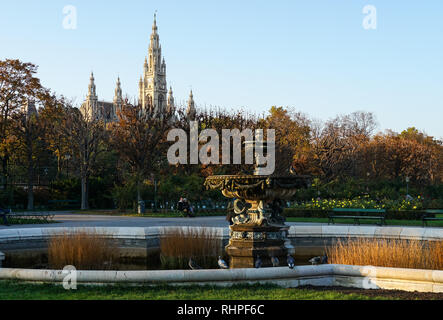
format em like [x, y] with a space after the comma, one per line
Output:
[312, 55]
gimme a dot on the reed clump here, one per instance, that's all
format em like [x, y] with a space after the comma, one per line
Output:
[177, 245]
[388, 253]
[83, 250]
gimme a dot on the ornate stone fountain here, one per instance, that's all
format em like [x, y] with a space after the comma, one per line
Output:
[258, 229]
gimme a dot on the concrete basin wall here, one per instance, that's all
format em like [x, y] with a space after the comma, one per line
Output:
[367, 277]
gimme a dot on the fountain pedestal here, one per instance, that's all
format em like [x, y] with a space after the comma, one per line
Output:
[258, 229]
[248, 242]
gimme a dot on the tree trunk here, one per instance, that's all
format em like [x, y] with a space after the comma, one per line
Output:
[30, 197]
[85, 193]
[30, 189]
[5, 173]
[30, 180]
[59, 169]
[139, 197]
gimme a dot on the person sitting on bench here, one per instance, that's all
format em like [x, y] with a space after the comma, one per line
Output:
[184, 206]
[3, 213]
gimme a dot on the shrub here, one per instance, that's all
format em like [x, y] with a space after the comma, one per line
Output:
[124, 196]
[83, 250]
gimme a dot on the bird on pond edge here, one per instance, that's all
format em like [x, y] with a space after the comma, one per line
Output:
[193, 265]
[222, 263]
[319, 260]
[258, 262]
[291, 262]
[275, 262]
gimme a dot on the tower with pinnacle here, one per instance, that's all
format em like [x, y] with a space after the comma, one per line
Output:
[153, 90]
[90, 107]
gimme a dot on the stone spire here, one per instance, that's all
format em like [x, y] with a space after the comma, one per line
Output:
[118, 100]
[29, 108]
[190, 112]
[91, 89]
[118, 91]
[154, 24]
[170, 101]
[89, 108]
[154, 51]
[153, 90]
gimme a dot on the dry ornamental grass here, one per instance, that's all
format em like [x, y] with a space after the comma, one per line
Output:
[83, 250]
[388, 253]
[177, 245]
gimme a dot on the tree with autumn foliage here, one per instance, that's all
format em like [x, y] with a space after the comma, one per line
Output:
[18, 84]
[139, 137]
[292, 137]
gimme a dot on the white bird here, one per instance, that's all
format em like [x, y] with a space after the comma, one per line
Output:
[291, 262]
[275, 262]
[222, 263]
[193, 265]
[258, 262]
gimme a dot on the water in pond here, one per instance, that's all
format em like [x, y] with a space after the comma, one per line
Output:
[39, 260]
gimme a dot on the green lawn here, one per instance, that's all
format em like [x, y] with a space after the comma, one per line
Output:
[14, 290]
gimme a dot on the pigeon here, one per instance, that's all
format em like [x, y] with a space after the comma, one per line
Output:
[193, 265]
[324, 259]
[291, 262]
[315, 260]
[258, 262]
[275, 261]
[319, 260]
[222, 263]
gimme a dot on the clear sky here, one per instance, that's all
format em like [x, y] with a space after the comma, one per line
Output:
[313, 55]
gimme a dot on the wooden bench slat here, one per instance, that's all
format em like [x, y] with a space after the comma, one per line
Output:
[357, 218]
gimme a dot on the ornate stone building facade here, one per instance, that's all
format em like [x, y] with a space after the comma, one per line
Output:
[152, 89]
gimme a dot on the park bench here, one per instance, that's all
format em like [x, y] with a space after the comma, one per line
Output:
[4, 216]
[27, 217]
[429, 215]
[357, 215]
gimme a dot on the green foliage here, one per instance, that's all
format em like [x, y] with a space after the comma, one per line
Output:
[124, 195]
[362, 203]
[66, 189]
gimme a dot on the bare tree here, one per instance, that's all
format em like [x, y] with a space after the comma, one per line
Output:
[139, 137]
[85, 137]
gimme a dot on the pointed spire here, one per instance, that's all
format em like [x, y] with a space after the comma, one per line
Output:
[118, 91]
[191, 107]
[154, 25]
[29, 108]
[170, 100]
[91, 88]
[118, 100]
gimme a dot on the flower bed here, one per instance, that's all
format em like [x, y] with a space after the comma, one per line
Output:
[412, 209]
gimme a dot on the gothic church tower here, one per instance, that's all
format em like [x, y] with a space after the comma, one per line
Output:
[153, 92]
